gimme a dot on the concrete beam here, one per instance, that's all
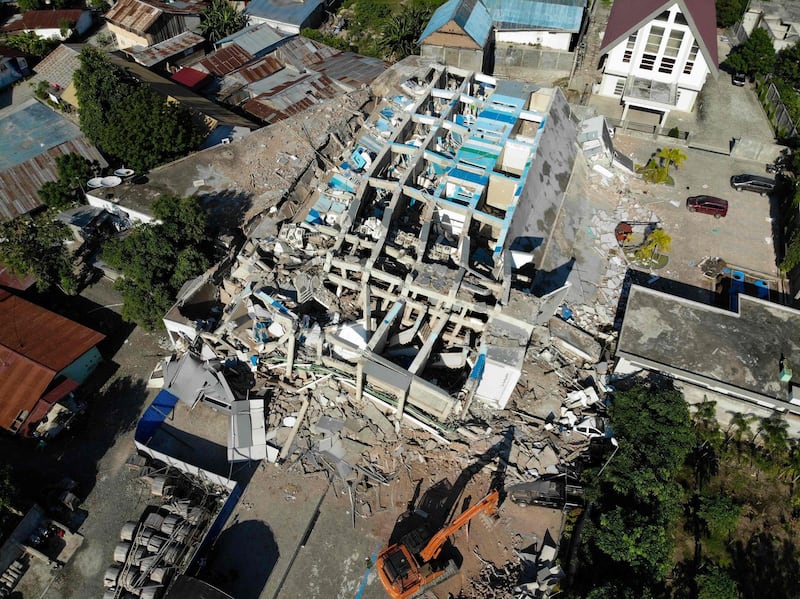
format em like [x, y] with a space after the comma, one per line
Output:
[427, 347]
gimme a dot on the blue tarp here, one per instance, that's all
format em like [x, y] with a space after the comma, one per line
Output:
[156, 413]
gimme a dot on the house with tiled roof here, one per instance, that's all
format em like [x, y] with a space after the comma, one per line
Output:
[51, 24]
[659, 54]
[44, 358]
[147, 22]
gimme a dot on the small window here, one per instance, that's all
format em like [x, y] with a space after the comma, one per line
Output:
[619, 87]
[626, 57]
[680, 19]
[654, 40]
[664, 16]
[648, 61]
[666, 66]
[687, 69]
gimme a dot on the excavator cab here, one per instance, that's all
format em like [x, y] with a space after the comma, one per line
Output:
[411, 566]
[397, 572]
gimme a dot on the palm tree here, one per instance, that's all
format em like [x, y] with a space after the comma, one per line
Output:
[221, 19]
[671, 156]
[657, 242]
[773, 431]
[791, 470]
[401, 32]
[739, 430]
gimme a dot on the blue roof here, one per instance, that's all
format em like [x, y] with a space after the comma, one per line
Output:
[290, 12]
[256, 39]
[564, 15]
[470, 15]
[31, 129]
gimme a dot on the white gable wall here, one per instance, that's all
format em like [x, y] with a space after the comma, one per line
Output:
[623, 62]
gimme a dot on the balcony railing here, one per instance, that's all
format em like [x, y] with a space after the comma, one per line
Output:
[637, 88]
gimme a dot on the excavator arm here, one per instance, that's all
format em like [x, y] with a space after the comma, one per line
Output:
[488, 504]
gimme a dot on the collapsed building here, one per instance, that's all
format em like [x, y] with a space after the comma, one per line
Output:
[410, 265]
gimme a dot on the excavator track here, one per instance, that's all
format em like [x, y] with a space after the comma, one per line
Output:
[449, 571]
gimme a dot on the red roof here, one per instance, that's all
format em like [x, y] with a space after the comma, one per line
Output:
[628, 16]
[44, 19]
[35, 345]
[191, 78]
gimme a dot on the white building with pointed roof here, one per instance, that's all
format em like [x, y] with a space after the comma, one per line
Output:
[658, 54]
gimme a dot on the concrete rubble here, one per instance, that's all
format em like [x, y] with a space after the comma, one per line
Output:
[381, 316]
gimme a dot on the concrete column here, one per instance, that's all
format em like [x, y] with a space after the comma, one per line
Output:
[625, 111]
[290, 353]
[359, 380]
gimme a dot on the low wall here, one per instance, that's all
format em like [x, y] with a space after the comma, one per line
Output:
[515, 61]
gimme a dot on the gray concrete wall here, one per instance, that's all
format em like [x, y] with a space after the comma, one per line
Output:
[455, 57]
[529, 63]
[548, 176]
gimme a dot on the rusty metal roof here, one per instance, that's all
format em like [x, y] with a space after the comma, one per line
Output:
[161, 51]
[301, 51]
[291, 95]
[352, 69]
[35, 345]
[133, 15]
[19, 185]
[260, 69]
[225, 60]
[139, 16]
[43, 19]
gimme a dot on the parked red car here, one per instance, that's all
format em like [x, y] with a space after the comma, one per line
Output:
[707, 205]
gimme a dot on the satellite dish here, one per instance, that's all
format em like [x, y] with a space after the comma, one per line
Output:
[95, 182]
[110, 181]
[123, 172]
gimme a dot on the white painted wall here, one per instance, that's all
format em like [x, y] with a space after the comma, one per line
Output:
[115, 208]
[497, 384]
[545, 39]
[688, 84]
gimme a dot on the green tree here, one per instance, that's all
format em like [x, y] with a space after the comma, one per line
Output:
[716, 583]
[774, 435]
[36, 246]
[720, 515]
[756, 57]
[127, 119]
[787, 65]
[657, 242]
[671, 157]
[220, 19]
[792, 256]
[401, 32]
[654, 435]
[30, 43]
[637, 540]
[156, 260]
[329, 39]
[73, 172]
[729, 11]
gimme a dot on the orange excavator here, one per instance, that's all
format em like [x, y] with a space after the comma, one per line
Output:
[412, 566]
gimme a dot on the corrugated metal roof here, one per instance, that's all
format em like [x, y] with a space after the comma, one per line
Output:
[35, 344]
[471, 15]
[290, 12]
[259, 69]
[352, 69]
[302, 51]
[43, 19]
[291, 96]
[225, 60]
[550, 15]
[58, 66]
[256, 39]
[19, 185]
[133, 15]
[163, 50]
